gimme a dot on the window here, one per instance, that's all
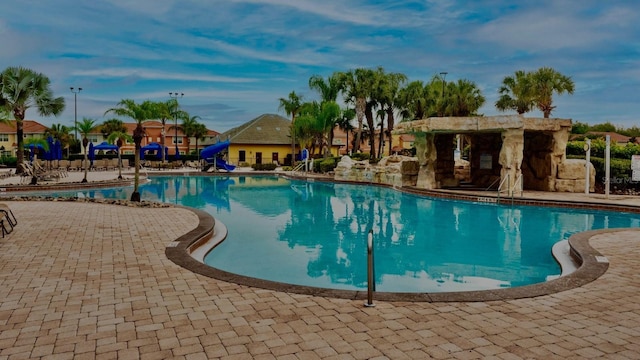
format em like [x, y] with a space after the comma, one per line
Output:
[179, 140]
[4, 137]
[93, 138]
[242, 156]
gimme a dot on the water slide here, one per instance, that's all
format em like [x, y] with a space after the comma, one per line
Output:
[209, 155]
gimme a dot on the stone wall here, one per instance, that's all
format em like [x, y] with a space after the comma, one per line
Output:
[396, 170]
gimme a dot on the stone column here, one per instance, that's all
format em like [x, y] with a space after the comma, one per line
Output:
[510, 158]
[427, 156]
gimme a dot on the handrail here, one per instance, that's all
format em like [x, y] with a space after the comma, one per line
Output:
[298, 167]
[490, 185]
[517, 183]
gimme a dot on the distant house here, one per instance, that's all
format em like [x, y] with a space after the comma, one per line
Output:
[265, 139]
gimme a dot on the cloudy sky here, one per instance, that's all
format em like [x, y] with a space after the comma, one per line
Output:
[233, 59]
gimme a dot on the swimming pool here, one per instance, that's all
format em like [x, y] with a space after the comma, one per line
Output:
[314, 233]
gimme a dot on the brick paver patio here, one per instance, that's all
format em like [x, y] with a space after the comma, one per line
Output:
[85, 280]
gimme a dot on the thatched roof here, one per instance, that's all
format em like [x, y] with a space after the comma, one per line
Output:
[267, 129]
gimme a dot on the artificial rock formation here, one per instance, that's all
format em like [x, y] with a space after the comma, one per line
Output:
[572, 176]
[508, 150]
[396, 170]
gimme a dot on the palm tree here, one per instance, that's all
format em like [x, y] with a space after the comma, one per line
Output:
[354, 85]
[344, 123]
[388, 96]
[112, 125]
[413, 101]
[516, 93]
[62, 133]
[291, 106]
[21, 89]
[328, 89]
[464, 98]
[119, 138]
[188, 127]
[199, 132]
[164, 110]
[85, 127]
[139, 113]
[547, 81]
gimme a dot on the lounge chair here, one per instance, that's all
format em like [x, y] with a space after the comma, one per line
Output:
[7, 220]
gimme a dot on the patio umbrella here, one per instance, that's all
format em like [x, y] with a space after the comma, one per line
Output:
[177, 152]
[91, 154]
[58, 150]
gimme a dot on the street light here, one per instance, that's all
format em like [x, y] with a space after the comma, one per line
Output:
[176, 95]
[443, 75]
[75, 107]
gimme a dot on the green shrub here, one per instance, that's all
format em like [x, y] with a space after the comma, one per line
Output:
[263, 167]
[360, 156]
[9, 161]
[325, 165]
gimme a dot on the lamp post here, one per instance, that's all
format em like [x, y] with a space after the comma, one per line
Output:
[175, 95]
[75, 109]
[443, 75]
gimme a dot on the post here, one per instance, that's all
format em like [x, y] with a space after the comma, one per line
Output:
[587, 148]
[75, 110]
[607, 165]
[371, 281]
[174, 95]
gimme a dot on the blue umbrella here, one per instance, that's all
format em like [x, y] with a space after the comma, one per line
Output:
[91, 154]
[177, 152]
[58, 150]
[49, 154]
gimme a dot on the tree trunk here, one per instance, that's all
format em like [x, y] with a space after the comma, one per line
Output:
[372, 130]
[360, 105]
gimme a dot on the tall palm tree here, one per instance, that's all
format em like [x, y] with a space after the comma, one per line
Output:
[85, 127]
[516, 93]
[291, 106]
[188, 127]
[140, 113]
[164, 110]
[199, 131]
[354, 85]
[328, 89]
[547, 81]
[21, 89]
[413, 101]
[388, 96]
[119, 138]
[344, 123]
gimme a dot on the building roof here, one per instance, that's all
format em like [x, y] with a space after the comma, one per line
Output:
[266, 129]
[28, 126]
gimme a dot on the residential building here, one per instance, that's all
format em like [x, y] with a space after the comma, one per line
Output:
[8, 139]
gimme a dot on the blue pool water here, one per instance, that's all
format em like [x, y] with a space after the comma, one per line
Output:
[315, 233]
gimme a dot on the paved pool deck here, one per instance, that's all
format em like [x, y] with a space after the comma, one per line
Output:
[86, 280]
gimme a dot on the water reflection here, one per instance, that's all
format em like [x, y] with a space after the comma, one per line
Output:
[314, 233]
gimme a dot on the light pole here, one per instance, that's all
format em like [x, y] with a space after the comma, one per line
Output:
[75, 109]
[443, 75]
[175, 95]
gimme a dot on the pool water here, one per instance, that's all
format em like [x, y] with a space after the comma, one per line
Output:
[315, 233]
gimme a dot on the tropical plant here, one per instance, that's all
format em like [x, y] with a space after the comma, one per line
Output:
[516, 93]
[344, 123]
[198, 132]
[62, 133]
[188, 127]
[354, 85]
[291, 106]
[85, 127]
[546, 82]
[165, 110]
[389, 99]
[139, 113]
[112, 126]
[463, 98]
[22, 89]
[119, 138]
[413, 101]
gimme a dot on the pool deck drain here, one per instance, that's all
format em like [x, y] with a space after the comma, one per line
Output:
[87, 280]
